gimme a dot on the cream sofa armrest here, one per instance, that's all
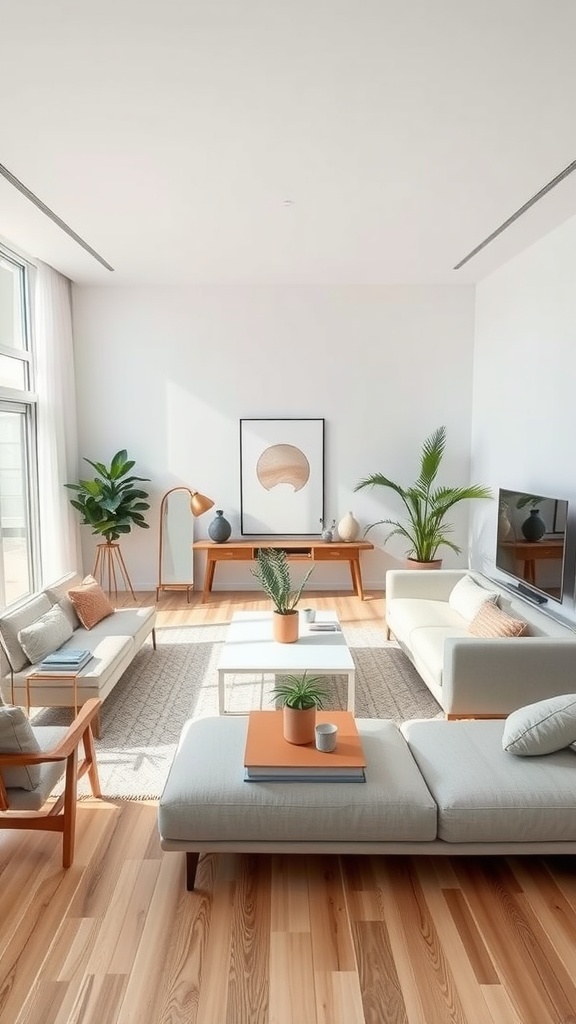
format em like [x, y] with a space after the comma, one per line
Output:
[496, 676]
[430, 584]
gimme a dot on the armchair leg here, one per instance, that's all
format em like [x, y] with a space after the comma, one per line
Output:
[70, 798]
[92, 767]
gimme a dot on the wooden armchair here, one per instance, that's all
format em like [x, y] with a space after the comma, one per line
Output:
[56, 756]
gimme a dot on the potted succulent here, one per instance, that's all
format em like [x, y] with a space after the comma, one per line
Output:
[273, 573]
[427, 506]
[299, 696]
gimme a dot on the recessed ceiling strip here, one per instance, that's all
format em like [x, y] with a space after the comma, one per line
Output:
[526, 206]
[50, 213]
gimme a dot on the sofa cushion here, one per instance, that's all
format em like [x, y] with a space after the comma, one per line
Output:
[58, 594]
[17, 737]
[541, 728]
[206, 798]
[11, 622]
[491, 621]
[90, 602]
[486, 795]
[45, 635]
[467, 597]
[47, 737]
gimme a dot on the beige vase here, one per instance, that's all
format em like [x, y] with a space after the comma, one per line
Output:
[348, 528]
[411, 563]
[285, 627]
[299, 725]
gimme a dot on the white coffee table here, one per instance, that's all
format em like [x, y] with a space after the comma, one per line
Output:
[249, 648]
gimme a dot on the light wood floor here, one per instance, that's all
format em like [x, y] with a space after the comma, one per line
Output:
[116, 939]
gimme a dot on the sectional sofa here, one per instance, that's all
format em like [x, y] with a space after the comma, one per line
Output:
[477, 675]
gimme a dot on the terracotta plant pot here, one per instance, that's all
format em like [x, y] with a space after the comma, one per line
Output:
[285, 627]
[299, 725]
[411, 563]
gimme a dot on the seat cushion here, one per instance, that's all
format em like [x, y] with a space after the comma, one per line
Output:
[485, 794]
[17, 737]
[48, 737]
[206, 798]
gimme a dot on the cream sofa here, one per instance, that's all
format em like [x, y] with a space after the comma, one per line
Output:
[432, 787]
[471, 676]
[113, 642]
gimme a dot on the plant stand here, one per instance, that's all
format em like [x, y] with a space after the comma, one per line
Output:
[106, 555]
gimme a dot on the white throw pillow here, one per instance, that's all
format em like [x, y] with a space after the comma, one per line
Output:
[45, 635]
[17, 737]
[467, 597]
[541, 728]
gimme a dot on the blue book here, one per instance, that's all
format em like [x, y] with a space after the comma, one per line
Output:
[69, 655]
[55, 664]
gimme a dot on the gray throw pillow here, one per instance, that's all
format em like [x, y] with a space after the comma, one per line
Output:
[17, 737]
[45, 635]
[541, 728]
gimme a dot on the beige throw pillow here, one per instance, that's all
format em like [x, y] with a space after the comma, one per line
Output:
[17, 737]
[467, 597]
[45, 635]
[90, 602]
[541, 728]
[492, 621]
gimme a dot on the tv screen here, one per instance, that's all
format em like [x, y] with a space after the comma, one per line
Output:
[531, 542]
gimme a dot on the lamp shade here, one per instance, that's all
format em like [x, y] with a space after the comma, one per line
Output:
[199, 503]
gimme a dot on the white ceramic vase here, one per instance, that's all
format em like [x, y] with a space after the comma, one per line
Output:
[348, 528]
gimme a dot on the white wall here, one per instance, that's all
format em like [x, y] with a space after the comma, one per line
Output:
[524, 411]
[168, 373]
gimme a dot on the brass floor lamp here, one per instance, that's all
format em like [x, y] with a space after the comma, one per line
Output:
[175, 541]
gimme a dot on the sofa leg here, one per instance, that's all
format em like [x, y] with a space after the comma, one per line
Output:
[191, 865]
[387, 631]
[154, 639]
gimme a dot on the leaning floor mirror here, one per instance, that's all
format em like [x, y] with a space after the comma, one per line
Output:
[175, 555]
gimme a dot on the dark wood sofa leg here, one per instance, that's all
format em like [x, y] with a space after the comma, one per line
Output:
[191, 865]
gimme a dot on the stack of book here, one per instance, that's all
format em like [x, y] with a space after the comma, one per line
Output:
[269, 758]
[63, 661]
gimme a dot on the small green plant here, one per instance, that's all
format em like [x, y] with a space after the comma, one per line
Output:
[110, 503]
[427, 506]
[273, 574]
[300, 692]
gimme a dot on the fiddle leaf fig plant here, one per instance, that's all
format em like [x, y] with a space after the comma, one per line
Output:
[426, 505]
[111, 503]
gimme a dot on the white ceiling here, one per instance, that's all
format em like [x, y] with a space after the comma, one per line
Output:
[284, 141]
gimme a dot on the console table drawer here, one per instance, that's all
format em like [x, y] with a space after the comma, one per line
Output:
[329, 554]
[224, 554]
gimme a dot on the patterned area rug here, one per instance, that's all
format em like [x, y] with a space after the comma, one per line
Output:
[142, 717]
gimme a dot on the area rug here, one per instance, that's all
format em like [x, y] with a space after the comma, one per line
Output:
[142, 718]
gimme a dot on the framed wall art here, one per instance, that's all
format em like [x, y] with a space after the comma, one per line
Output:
[281, 476]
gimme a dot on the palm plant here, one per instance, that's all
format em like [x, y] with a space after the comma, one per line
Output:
[300, 692]
[273, 574]
[426, 505]
[110, 503]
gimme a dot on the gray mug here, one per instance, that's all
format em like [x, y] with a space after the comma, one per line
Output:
[326, 737]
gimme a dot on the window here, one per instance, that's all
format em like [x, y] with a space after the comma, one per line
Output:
[18, 462]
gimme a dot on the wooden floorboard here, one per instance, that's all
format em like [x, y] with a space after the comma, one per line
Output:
[282, 939]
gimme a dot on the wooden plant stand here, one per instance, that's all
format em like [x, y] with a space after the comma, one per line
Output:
[104, 567]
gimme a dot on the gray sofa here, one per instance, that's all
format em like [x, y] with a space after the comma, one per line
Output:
[471, 675]
[113, 642]
[431, 786]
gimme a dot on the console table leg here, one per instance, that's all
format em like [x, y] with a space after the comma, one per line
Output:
[356, 574]
[208, 576]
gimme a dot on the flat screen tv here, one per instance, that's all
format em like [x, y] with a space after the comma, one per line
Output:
[531, 543]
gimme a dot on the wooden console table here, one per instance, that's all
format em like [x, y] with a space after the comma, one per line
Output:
[304, 549]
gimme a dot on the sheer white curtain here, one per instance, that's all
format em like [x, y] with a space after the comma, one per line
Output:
[57, 429]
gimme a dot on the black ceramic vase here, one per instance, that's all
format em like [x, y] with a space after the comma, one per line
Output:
[219, 529]
[534, 527]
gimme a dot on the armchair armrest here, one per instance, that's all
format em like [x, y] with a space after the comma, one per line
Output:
[493, 677]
